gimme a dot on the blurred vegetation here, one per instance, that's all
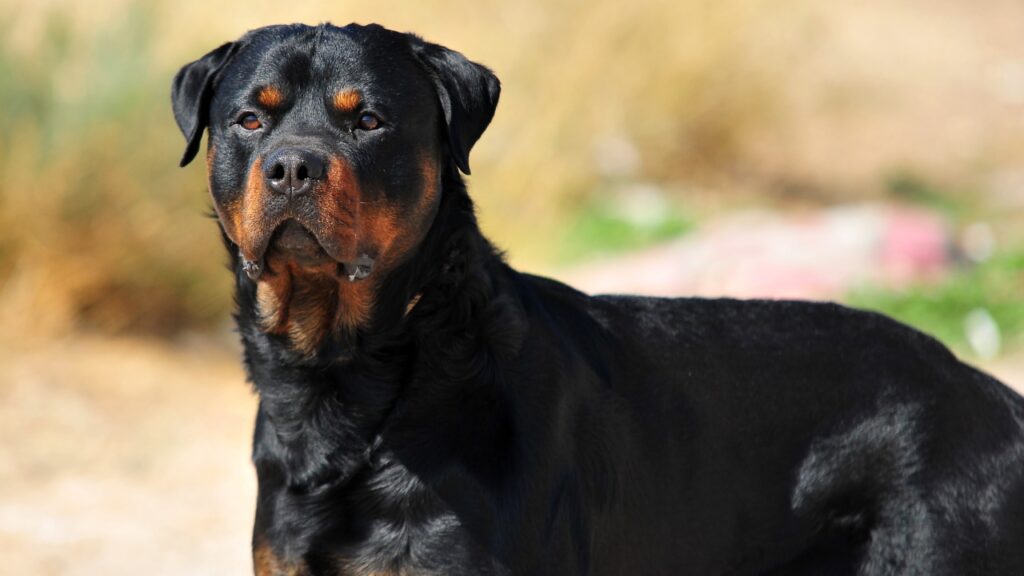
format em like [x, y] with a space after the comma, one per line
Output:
[98, 227]
[905, 185]
[684, 105]
[990, 290]
[101, 229]
[606, 225]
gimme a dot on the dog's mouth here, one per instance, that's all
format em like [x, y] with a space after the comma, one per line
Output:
[295, 242]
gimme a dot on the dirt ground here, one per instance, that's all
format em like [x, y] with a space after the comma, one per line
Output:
[124, 457]
[131, 457]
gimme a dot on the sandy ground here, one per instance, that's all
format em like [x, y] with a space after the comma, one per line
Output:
[124, 457]
[131, 457]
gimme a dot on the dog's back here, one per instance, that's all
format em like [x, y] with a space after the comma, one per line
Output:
[769, 431]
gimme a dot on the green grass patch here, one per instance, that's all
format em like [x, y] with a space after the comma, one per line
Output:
[909, 186]
[996, 286]
[607, 225]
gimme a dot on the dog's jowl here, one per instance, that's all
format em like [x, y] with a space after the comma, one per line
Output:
[427, 410]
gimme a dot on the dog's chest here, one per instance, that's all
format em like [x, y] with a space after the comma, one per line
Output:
[387, 523]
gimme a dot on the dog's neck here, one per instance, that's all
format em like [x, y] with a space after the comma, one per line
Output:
[326, 410]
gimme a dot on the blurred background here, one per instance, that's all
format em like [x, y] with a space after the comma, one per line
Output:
[866, 152]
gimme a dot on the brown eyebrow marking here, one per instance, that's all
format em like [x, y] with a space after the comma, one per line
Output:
[270, 96]
[347, 100]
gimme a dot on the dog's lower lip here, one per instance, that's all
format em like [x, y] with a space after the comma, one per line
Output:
[297, 242]
[292, 234]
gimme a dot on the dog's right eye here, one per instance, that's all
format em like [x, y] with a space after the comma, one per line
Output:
[369, 122]
[250, 122]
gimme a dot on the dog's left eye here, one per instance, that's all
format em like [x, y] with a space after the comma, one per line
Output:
[250, 122]
[369, 122]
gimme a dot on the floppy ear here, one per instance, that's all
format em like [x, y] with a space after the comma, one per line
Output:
[468, 93]
[191, 94]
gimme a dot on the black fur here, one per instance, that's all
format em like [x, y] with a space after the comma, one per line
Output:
[468, 94]
[191, 93]
[509, 424]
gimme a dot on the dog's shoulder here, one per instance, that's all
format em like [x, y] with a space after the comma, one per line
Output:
[719, 322]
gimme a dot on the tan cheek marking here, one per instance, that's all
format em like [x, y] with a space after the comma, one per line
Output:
[431, 183]
[270, 97]
[337, 206]
[341, 203]
[380, 224]
[395, 235]
[235, 211]
[250, 217]
[229, 213]
[346, 100]
[343, 193]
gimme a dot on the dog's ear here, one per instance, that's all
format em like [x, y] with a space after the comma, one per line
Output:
[192, 92]
[468, 93]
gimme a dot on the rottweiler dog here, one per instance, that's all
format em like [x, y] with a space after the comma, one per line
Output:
[427, 410]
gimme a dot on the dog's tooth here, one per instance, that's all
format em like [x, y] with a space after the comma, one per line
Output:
[359, 269]
[252, 269]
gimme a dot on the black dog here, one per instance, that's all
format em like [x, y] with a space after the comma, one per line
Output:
[426, 410]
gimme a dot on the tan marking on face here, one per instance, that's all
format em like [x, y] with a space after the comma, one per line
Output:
[343, 193]
[297, 301]
[228, 213]
[230, 216]
[270, 97]
[346, 101]
[248, 217]
[395, 230]
[266, 563]
[379, 226]
[309, 303]
[273, 293]
[431, 188]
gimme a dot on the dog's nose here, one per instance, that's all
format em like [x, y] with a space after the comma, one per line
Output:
[292, 171]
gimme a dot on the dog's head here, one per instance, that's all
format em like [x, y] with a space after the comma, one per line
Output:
[327, 145]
